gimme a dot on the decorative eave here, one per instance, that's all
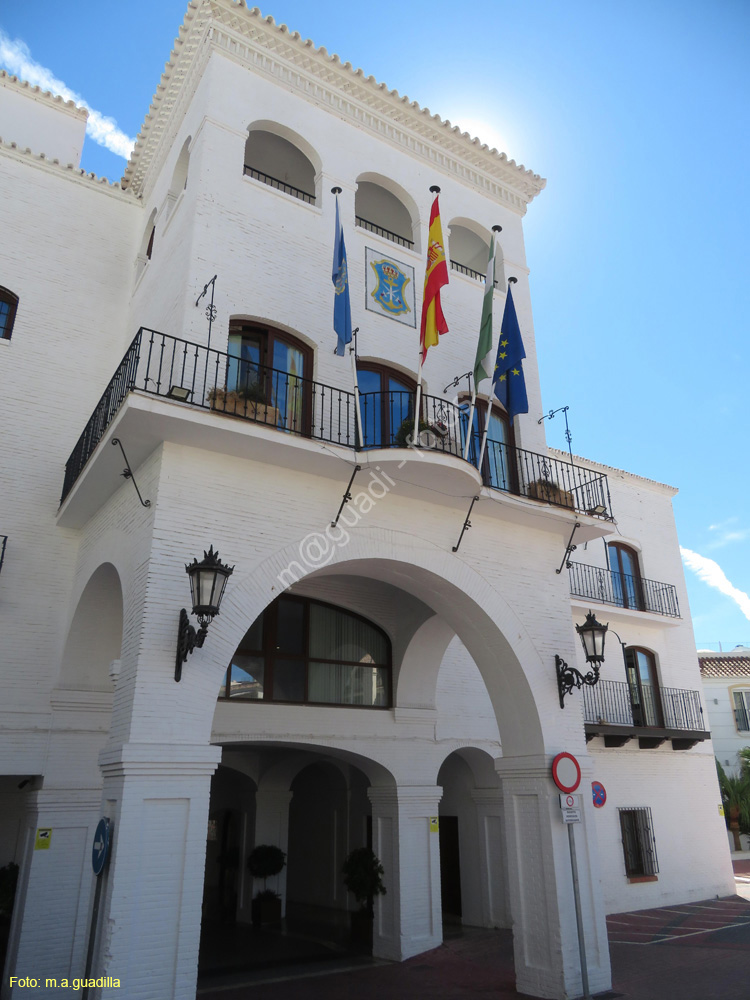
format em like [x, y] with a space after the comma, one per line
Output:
[589, 463]
[271, 50]
[69, 170]
[44, 96]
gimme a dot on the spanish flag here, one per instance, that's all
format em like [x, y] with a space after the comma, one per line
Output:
[436, 275]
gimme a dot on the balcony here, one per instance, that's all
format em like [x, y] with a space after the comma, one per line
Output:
[650, 715]
[201, 378]
[605, 586]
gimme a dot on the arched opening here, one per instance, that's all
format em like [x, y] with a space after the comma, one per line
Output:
[473, 888]
[305, 651]
[387, 398]
[280, 158]
[268, 377]
[625, 571]
[469, 250]
[643, 687]
[498, 463]
[380, 207]
[94, 641]
[146, 248]
[313, 805]
[8, 307]
[180, 175]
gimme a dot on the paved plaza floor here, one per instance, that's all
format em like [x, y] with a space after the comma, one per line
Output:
[696, 951]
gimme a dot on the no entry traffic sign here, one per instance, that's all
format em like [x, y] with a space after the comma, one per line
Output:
[566, 772]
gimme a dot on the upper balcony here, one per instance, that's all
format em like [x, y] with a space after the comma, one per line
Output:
[287, 409]
[606, 586]
[620, 711]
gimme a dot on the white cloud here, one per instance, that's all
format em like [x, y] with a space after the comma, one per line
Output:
[15, 56]
[712, 574]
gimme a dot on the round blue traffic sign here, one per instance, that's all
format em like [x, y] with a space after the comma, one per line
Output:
[100, 851]
[598, 793]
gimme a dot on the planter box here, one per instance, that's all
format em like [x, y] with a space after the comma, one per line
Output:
[266, 911]
[234, 405]
[360, 925]
[549, 492]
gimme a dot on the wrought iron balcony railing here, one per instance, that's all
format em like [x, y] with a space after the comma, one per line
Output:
[607, 586]
[614, 703]
[274, 182]
[213, 380]
[372, 227]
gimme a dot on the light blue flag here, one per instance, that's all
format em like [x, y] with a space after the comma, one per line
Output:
[342, 312]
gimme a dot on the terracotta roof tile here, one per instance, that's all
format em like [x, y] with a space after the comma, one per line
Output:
[725, 664]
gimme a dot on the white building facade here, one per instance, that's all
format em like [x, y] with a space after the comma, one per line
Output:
[389, 678]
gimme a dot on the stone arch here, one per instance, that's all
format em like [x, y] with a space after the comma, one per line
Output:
[180, 174]
[517, 680]
[472, 861]
[94, 639]
[383, 202]
[281, 154]
[469, 245]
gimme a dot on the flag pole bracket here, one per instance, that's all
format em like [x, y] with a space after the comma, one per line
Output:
[466, 526]
[569, 550]
[347, 496]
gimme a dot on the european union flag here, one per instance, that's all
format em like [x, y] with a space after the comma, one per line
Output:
[508, 381]
[342, 312]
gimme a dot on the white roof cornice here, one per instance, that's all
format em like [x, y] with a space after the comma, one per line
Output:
[271, 50]
[43, 96]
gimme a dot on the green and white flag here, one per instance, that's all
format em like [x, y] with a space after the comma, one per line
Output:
[484, 363]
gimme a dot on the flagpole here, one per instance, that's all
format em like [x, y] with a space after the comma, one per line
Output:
[357, 411]
[471, 422]
[422, 350]
[484, 434]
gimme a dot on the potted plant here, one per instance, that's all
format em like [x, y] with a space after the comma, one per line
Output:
[735, 794]
[363, 877]
[265, 861]
[250, 400]
[404, 435]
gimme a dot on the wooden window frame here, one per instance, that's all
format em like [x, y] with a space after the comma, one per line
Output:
[631, 652]
[269, 653]
[11, 300]
[269, 335]
[619, 548]
[387, 372]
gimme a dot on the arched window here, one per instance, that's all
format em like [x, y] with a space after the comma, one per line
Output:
[498, 469]
[387, 398]
[180, 175]
[281, 164]
[626, 576]
[380, 211]
[8, 307]
[271, 368]
[643, 686]
[305, 651]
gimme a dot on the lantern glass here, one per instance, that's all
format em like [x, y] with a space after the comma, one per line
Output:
[592, 635]
[207, 582]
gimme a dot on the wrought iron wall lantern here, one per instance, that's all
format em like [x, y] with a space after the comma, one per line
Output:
[592, 635]
[207, 582]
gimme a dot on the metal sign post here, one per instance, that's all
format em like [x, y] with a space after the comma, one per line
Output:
[566, 774]
[99, 859]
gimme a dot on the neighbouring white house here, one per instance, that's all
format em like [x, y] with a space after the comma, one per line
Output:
[395, 662]
[726, 689]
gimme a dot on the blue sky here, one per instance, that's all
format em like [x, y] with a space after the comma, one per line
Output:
[637, 115]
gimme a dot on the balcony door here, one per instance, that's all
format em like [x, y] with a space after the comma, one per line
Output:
[643, 686]
[272, 368]
[497, 469]
[387, 399]
[626, 576]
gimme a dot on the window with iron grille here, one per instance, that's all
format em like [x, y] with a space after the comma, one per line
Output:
[638, 843]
